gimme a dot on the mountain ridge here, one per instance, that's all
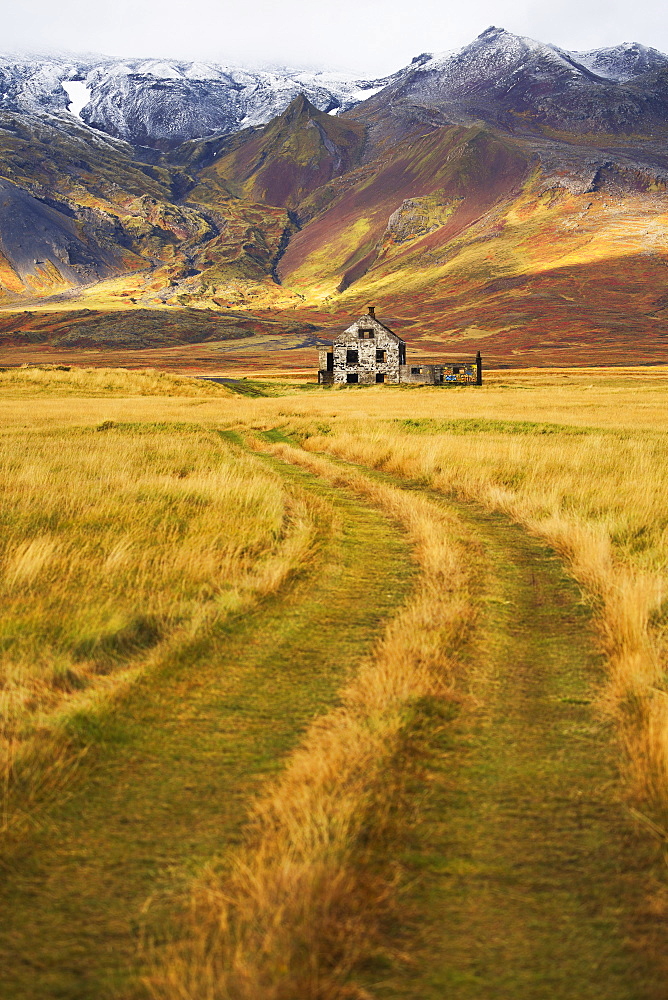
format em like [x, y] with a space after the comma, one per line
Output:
[133, 99]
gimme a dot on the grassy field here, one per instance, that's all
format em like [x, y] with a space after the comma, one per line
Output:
[599, 495]
[116, 543]
[71, 380]
[342, 590]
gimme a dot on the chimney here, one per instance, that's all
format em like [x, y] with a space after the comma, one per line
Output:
[372, 311]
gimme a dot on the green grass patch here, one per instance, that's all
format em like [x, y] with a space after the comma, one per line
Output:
[514, 855]
[476, 425]
[246, 387]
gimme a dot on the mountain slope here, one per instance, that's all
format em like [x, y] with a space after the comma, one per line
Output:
[78, 207]
[284, 162]
[47, 249]
[443, 181]
[510, 196]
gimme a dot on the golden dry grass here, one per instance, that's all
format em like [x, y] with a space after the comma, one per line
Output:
[600, 498]
[294, 910]
[116, 541]
[580, 456]
[580, 459]
[70, 380]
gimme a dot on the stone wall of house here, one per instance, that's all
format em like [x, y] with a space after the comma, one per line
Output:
[367, 350]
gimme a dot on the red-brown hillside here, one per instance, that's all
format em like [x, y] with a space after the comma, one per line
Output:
[284, 162]
[457, 173]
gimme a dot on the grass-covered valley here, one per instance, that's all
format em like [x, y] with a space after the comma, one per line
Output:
[333, 693]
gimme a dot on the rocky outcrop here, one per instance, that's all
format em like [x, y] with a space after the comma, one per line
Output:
[49, 249]
[417, 217]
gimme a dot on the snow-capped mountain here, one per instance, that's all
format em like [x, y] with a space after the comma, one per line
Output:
[161, 103]
[518, 83]
[493, 59]
[497, 53]
[164, 102]
[622, 63]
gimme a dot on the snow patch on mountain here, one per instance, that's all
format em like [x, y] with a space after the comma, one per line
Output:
[79, 95]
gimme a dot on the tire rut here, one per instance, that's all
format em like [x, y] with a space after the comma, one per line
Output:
[528, 879]
[168, 783]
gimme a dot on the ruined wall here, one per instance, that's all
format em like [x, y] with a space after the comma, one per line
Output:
[356, 353]
[455, 374]
[417, 374]
[325, 372]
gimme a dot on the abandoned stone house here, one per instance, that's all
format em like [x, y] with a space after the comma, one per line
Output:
[368, 352]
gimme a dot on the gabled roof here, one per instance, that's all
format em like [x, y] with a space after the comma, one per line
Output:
[367, 320]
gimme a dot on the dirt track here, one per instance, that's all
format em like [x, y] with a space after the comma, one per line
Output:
[527, 877]
[521, 872]
[173, 767]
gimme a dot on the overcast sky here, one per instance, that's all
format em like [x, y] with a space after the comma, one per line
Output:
[370, 37]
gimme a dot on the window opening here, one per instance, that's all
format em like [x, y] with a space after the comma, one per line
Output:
[380, 355]
[351, 378]
[380, 376]
[352, 357]
[415, 371]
